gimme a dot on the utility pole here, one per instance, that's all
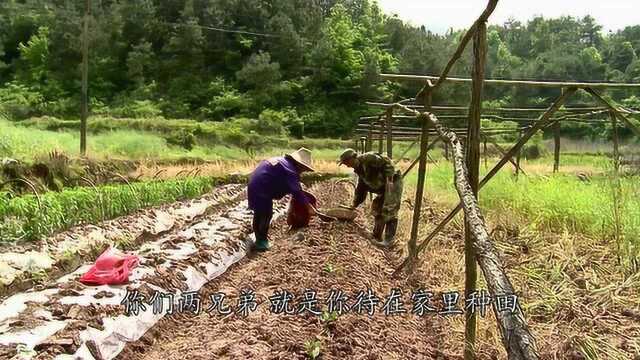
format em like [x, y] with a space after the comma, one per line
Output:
[84, 112]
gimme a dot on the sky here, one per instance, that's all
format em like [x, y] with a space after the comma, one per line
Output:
[440, 15]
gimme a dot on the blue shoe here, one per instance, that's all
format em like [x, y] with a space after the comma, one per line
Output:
[262, 245]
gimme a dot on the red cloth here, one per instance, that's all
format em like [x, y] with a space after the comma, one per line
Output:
[298, 215]
[112, 267]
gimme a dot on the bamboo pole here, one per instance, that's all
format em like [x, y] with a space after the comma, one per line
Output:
[390, 133]
[516, 337]
[544, 120]
[578, 110]
[504, 153]
[415, 162]
[620, 115]
[529, 120]
[473, 171]
[519, 154]
[418, 129]
[401, 133]
[531, 83]
[422, 171]
[491, 6]
[616, 145]
[484, 144]
[395, 117]
[380, 143]
[406, 151]
[369, 144]
[556, 146]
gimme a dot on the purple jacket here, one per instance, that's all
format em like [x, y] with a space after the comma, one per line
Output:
[273, 179]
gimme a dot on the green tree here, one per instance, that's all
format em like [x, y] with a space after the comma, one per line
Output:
[621, 55]
[259, 72]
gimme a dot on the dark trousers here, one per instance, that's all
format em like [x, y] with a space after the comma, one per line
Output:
[261, 222]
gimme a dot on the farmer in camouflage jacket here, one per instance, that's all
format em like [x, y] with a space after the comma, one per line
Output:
[376, 174]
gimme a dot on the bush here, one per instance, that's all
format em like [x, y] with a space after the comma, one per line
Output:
[272, 122]
[183, 138]
[533, 151]
[18, 102]
[138, 109]
[535, 148]
[225, 105]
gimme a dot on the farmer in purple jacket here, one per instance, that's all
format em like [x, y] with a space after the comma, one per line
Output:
[273, 179]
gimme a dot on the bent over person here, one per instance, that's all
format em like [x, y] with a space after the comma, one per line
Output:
[272, 180]
[376, 174]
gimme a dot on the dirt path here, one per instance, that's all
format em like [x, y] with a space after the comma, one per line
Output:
[322, 257]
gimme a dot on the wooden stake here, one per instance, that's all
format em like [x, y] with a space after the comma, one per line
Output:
[369, 144]
[484, 143]
[556, 146]
[390, 133]
[519, 154]
[380, 143]
[616, 150]
[619, 114]
[84, 111]
[422, 170]
[473, 167]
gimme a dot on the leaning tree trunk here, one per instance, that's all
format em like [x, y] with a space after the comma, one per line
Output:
[516, 337]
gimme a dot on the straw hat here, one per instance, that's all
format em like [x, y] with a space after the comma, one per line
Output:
[302, 157]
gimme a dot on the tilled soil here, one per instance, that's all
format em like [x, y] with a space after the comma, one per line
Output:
[72, 308]
[322, 257]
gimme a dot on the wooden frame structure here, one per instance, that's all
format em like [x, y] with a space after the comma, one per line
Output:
[572, 114]
[375, 131]
[479, 248]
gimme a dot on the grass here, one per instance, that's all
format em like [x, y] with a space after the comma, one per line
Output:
[27, 143]
[555, 235]
[559, 202]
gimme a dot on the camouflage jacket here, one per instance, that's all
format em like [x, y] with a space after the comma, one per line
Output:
[372, 170]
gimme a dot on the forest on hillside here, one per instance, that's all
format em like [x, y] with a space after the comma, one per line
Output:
[300, 67]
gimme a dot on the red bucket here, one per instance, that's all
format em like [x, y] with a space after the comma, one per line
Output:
[298, 215]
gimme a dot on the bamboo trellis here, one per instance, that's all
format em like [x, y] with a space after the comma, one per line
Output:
[479, 248]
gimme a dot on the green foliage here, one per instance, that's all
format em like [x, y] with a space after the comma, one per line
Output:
[560, 202]
[157, 59]
[259, 71]
[34, 56]
[632, 102]
[328, 317]
[229, 103]
[138, 109]
[183, 138]
[29, 218]
[534, 148]
[19, 102]
[313, 348]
